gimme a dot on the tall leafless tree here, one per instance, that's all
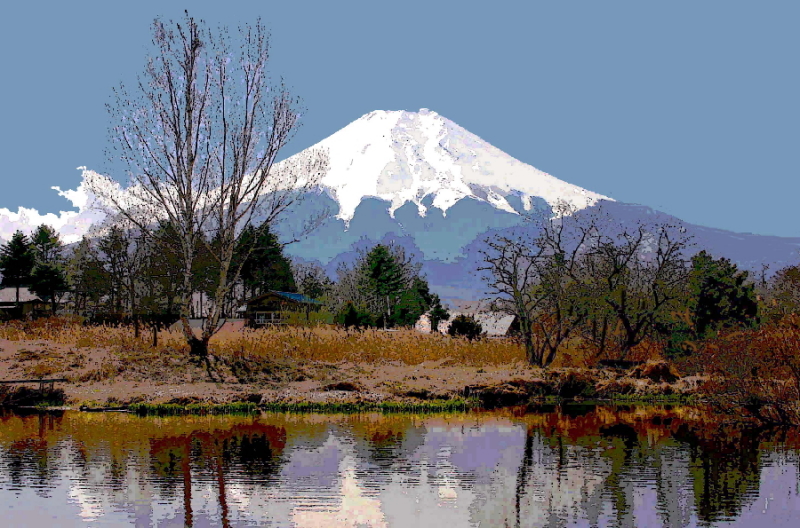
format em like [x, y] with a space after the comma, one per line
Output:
[538, 281]
[200, 135]
[582, 274]
[639, 275]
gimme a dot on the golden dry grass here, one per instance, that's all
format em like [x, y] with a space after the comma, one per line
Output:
[335, 345]
[301, 344]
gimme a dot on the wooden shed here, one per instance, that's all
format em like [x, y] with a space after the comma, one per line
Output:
[274, 307]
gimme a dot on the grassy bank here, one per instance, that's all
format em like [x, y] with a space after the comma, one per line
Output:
[319, 369]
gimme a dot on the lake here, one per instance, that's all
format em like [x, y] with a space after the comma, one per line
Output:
[579, 465]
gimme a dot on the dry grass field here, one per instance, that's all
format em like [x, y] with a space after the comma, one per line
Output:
[109, 365]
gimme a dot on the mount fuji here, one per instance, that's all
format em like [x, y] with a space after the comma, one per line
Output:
[419, 180]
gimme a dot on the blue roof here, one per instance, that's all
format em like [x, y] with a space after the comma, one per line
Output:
[296, 297]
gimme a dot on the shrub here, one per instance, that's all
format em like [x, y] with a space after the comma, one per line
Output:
[756, 373]
[352, 316]
[466, 326]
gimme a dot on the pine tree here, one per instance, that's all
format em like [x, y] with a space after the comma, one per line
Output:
[46, 245]
[264, 266]
[466, 326]
[48, 279]
[48, 282]
[16, 262]
[438, 313]
[720, 295]
[385, 277]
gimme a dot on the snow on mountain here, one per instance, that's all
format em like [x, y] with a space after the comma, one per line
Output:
[404, 157]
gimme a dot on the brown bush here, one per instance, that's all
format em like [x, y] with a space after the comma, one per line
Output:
[344, 386]
[756, 373]
[658, 370]
[571, 383]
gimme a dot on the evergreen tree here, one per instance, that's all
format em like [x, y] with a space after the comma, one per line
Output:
[48, 282]
[353, 317]
[114, 257]
[719, 295]
[163, 269]
[466, 326]
[412, 303]
[385, 277]
[48, 279]
[46, 245]
[264, 266]
[437, 313]
[16, 262]
[784, 293]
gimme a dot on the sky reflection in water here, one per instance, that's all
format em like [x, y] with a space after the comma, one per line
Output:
[587, 466]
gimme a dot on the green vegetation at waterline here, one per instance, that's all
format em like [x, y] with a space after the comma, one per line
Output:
[173, 409]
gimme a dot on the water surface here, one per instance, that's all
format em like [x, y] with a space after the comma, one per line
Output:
[575, 466]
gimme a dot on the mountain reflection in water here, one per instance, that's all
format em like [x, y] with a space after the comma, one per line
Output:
[571, 466]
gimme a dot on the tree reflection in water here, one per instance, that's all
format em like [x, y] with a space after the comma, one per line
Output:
[603, 466]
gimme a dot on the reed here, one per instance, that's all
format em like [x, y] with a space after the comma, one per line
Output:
[172, 409]
[682, 399]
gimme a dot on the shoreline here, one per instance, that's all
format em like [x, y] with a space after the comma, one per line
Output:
[118, 376]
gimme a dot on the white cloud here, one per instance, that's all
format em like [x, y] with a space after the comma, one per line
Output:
[71, 225]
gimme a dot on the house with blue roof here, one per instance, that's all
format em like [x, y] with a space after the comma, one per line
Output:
[274, 307]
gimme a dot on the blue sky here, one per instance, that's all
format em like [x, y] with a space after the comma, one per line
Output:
[689, 107]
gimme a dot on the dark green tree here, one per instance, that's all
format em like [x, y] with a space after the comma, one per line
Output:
[46, 245]
[466, 326]
[412, 302]
[48, 279]
[720, 296]
[114, 256]
[354, 317]
[49, 283]
[385, 277]
[16, 262]
[437, 313]
[263, 264]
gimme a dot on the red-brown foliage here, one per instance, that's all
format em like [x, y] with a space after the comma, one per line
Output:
[757, 372]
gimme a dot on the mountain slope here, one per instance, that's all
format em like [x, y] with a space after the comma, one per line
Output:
[420, 180]
[406, 157]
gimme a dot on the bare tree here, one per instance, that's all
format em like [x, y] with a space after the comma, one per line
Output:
[539, 281]
[200, 137]
[638, 275]
[123, 255]
[581, 276]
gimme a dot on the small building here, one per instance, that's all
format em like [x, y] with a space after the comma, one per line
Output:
[29, 303]
[275, 307]
[494, 324]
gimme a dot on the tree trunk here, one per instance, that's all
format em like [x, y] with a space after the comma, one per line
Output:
[531, 354]
[198, 348]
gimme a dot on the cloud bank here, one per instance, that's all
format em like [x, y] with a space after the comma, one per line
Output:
[71, 225]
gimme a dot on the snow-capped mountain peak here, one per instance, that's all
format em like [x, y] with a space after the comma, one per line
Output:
[402, 157]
